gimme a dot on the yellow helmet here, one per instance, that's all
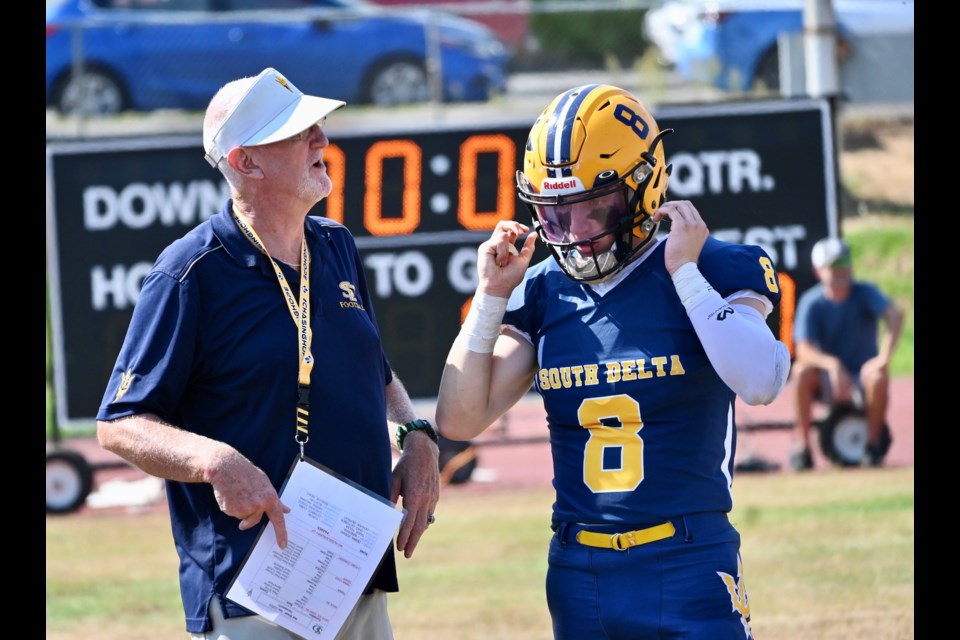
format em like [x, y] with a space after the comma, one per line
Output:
[595, 143]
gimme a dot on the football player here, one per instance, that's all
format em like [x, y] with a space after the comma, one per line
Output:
[638, 344]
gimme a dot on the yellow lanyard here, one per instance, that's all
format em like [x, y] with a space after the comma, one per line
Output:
[300, 312]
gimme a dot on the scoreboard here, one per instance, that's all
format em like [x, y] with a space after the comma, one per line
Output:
[418, 203]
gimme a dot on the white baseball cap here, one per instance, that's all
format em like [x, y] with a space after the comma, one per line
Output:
[271, 109]
[829, 251]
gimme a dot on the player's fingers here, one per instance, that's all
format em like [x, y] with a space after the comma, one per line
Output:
[686, 220]
[512, 226]
[505, 249]
[680, 212]
[529, 246]
[672, 209]
[508, 252]
[498, 243]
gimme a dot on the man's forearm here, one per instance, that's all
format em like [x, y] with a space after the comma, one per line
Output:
[161, 449]
[400, 408]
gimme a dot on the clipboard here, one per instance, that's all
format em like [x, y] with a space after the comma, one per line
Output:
[338, 533]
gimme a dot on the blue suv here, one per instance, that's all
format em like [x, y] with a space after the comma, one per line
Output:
[143, 55]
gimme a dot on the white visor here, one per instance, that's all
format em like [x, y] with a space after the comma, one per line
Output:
[272, 109]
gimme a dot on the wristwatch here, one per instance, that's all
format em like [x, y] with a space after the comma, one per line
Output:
[416, 425]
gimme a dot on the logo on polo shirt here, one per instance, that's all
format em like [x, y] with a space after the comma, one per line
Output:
[125, 379]
[349, 291]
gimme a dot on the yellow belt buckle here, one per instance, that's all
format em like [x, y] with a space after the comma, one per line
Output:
[616, 541]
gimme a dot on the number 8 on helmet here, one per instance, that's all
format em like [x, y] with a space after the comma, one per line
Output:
[593, 174]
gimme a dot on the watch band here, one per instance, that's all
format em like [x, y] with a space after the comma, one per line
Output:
[416, 425]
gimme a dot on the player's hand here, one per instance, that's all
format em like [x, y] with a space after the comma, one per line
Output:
[416, 478]
[688, 233]
[244, 491]
[500, 266]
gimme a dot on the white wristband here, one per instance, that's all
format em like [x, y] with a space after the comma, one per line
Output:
[691, 286]
[482, 324]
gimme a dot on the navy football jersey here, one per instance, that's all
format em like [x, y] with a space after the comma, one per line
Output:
[641, 426]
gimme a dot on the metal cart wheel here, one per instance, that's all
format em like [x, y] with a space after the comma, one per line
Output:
[69, 481]
[843, 435]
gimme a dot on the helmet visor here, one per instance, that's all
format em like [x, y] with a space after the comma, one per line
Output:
[582, 221]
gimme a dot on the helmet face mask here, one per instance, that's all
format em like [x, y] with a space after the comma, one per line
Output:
[587, 235]
[594, 174]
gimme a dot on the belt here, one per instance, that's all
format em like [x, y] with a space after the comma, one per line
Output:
[627, 539]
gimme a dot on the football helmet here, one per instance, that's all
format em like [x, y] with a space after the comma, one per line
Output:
[593, 174]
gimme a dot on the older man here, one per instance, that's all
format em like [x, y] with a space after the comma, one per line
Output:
[254, 341]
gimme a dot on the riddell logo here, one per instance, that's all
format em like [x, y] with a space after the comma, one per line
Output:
[565, 184]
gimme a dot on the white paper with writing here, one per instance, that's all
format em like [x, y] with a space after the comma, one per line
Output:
[337, 535]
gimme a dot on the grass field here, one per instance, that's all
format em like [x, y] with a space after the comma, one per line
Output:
[826, 555]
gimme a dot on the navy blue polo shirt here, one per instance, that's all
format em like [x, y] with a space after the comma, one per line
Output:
[212, 349]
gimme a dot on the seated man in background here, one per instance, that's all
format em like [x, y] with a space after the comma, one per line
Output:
[838, 357]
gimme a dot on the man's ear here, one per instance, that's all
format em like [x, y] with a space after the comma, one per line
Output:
[243, 163]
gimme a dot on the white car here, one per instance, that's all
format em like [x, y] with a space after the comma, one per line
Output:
[733, 43]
